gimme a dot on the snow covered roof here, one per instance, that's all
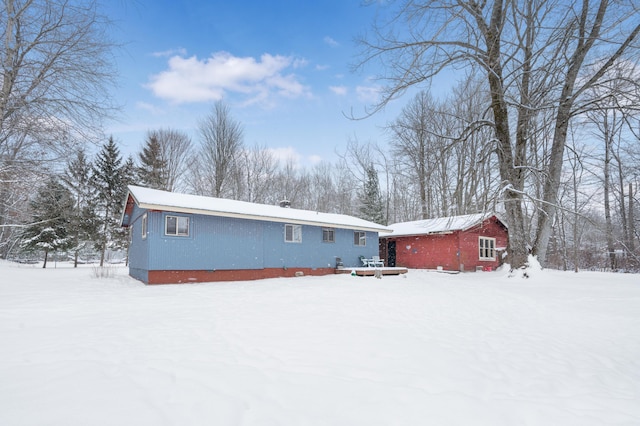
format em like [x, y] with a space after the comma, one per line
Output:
[154, 199]
[438, 225]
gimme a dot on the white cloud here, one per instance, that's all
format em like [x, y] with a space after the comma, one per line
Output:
[171, 52]
[320, 67]
[331, 42]
[338, 90]
[368, 94]
[300, 63]
[195, 80]
[149, 107]
[285, 154]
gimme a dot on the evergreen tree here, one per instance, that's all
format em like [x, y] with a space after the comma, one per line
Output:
[51, 209]
[152, 172]
[122, 235]
[372, 207]
[129, 174]
[77, 179]
[108, 183]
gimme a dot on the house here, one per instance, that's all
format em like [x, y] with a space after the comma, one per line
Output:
[459, 243]
[178, 238]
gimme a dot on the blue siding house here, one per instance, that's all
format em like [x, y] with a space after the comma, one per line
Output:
[180, 238]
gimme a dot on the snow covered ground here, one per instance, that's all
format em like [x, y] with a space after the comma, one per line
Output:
[428, 349]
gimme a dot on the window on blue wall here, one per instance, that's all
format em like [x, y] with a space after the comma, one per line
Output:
[143, 225]
[328, 235]
[293, 233]
[359, 238]
[176, 226]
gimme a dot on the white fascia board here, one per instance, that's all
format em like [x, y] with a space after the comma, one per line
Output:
[262, 218]
[420, 235]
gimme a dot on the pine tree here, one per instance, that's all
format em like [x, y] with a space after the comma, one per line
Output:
[152, 172]
[121, 236]
[51, 209]
[372, 208]
[109, 187]
[77, 179]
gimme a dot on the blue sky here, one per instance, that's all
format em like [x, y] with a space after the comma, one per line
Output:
[282, 66]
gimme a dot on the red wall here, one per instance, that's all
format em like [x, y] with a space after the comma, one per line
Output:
[428, 252]
[452, 250]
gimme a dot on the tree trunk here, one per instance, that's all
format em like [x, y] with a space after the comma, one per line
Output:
[576, 250]
[607, 202]
[632, 228]
[588, 32]
[517, 250]
[46, 256]
[509, 172]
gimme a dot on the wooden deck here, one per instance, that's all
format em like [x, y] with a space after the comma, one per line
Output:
[369, 272]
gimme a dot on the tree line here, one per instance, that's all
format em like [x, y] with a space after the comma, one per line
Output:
[433, 165]
[542, 64]
[542, 128]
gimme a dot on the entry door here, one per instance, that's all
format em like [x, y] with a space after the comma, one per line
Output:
[391, 253]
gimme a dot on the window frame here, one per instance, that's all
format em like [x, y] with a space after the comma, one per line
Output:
[359, 238]
[177, 225]
[144, 224]
[294, 234]
[328, 235]
[486, 248]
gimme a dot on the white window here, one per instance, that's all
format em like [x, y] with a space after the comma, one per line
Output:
[487, 248]
[176, 226]
[143, 225]
[360, 238]
[293, 233]
[328, 235]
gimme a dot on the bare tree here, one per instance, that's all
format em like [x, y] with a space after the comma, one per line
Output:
[322, 188]
[534, 54]
[221, 139]
[175, 150]
[476, 186]
[346, 187]
[292, 184]
[412, 142]
[56, 72]
[259, 168]
[443, 151]
[597, 40]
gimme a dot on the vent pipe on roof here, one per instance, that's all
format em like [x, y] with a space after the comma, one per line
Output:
[285, 204]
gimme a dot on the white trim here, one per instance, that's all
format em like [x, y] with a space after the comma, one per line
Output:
[177, 234]
[257, 217]
[331, 232]
[144, 224]
[296, 233]
[492, 248]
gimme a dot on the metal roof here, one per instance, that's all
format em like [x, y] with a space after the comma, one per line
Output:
[154, 199]
[439, 225]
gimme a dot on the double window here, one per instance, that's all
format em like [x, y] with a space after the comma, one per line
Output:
[293, 233]
[177, 226]
[359, 238]
[328, 235]
[487, 248]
